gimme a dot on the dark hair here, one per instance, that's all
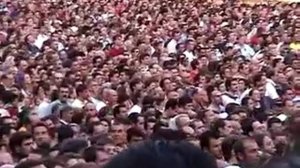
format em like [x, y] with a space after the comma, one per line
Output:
[80, 88]
[227, 147]
[205, 139]
[72, 146]
[133, 117]
[64, 132]
[29, 164]
[239, 147]
[134, 132]
[53, 163]
[259, 140]
[220, 123]
[272, 121]
[90, 154]
[228, 82]
[184, 100]
[117, 108]
[163, 154]
[17, 139]
[40, 124]
[247, 125]
[171, 104]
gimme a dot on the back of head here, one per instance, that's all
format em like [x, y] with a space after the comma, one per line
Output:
[163, 154]
[29, 164]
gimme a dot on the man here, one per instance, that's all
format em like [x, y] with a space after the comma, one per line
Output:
[118, 134]
[21, 144]
[247, 153]
[232, 95]
[200, 98]
[222, 127]
[41, 135]
[199, 127]
[135, 135]
[120, 112]
[252, 127]
[211, 143]
[82, 93]
[158, 154]
[216, 102]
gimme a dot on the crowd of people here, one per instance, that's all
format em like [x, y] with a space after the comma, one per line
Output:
[86, 82]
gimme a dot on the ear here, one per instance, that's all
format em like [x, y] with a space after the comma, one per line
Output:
[239, 156]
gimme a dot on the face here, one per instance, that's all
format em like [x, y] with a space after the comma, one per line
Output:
[41, 135]
[258, 128]
[210, 116]
[141, 123]
[215, 148]
[216, 97]
[234, 86]
[123, 113]
[33, 117]
[268, 145]
[6, 158]
[27, 146]
[105, 125]
[99, 129]
[199, 127]
[227, 130]
[90, 109]
[276, 127]
[102, 158]
[251, 154]
[256, 96]
[118, 134]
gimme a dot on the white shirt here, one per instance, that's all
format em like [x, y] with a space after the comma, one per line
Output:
[247, 51]
[271, 90]
[189, 55]
[171, 47]
[41, 38]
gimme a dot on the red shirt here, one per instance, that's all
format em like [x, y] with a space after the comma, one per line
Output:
[115, 51]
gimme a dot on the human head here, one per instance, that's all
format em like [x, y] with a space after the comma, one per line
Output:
[265, 143]
[247, 151]
[21, 144]
[223, 127]
[160, 154]
[118, 133]
[211, 142]
[41, 134]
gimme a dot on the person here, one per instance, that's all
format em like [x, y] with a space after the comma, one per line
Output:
[21, 144]
[247, 152]
[75, 72]
[158, 154]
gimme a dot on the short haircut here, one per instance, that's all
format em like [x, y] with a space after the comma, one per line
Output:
[64, 132]
[220, 123]
[247, 125]
[227, 147]
[184, 100]
[40, 124]
[17, 139]
[80, 88]
[171, 104]
[273, 120]
[163, 154]
[90, 154]
[239, 147]
[29, 164]
[206, 137]
[134, 132]
[117, 108]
